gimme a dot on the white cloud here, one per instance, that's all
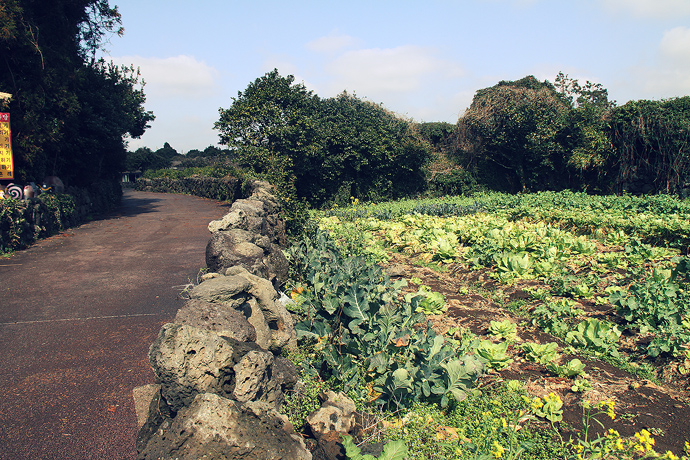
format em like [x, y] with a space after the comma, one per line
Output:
[332, 43]
[177, 76]
[664, 9]
[676, 44]
[392, 70]
[669, 76]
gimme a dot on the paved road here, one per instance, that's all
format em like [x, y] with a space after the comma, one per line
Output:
[78, 312]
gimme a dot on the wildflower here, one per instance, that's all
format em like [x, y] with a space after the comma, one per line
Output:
[645, 440]
[536, 404]
[497, 450]
[612, 434]
[554, 399]
[608, 407]
[669, 456]
[619, 445]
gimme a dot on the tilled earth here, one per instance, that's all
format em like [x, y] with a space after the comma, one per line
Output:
[640, 404]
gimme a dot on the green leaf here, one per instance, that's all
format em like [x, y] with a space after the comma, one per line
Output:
[394, 450]
[355, 304]
[351, 450]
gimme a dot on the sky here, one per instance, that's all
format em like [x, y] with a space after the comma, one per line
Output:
[423, 60]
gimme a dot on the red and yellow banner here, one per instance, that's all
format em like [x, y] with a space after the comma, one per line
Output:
[6, 163]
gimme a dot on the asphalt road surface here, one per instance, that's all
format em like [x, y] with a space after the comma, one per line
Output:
[78, 312]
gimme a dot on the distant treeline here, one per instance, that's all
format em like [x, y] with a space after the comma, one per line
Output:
[516, 136]
[531, 135]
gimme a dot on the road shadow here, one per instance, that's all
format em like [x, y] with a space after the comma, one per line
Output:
[132, 205]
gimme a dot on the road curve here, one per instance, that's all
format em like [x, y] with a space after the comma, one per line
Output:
[78, 312]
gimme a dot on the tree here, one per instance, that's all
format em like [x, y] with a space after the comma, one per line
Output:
[269, 126]
[144, 158]
[586, 136]
[652, 141]
[510, 132]
[367, 152]
[167, 151]
[70, 112]
[321, 149]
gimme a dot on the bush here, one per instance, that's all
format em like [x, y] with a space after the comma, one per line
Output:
[221, 189]
[23, 222]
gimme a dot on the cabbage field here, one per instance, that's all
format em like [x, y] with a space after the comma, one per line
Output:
[580, 303]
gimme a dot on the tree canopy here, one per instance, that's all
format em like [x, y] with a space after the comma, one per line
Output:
[322, 150]
[531, 135]
[512, 130]
[70, 113]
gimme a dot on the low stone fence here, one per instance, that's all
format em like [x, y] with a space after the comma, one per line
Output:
[221, 379]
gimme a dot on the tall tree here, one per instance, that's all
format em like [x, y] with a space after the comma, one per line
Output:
[70, 112]
[652, 140]
[322, 149]
[586, 137]
[269, 126]
[366, 151]
[511, 132]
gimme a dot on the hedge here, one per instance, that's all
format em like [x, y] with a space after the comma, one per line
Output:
[23, 222]
[221, 189]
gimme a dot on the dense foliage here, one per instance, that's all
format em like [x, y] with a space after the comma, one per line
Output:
[527, 135]
[604, 274]
[322, 150]
[69, 111]
[22, 222]
[368, 337]
[510, 132]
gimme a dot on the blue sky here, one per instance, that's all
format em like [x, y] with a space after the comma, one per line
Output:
[422, 60]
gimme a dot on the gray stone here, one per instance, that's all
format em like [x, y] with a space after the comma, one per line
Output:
[278, 319]
[337, 414]
[255, 316]
[143, 396]
[250, 206]
[216, 317]
[224, 250]
[187, 361]
[230, 290]
[252, 378]
[213, 427]
[234, 219]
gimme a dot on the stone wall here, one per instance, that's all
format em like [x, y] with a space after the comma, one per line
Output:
[221, 189]
[220, 377]
[219, 371]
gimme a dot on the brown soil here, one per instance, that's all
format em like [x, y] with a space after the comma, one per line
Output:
[639, 404]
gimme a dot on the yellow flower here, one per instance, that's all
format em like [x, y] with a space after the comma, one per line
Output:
[554, 398]
[497, 450]
[608, 406]
[669, 456]
[612, 434]
[536, 403]
[645, 439]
